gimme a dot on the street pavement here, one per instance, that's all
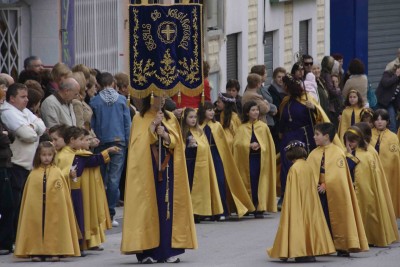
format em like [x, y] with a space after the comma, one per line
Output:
[230, 243]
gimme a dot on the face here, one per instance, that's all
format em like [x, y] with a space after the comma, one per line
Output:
[320, 139]
[316, 70]
[159, 102]
[299, 74]
[20, 100]
[46, 156]
[58, 141]
[123, 90]
[335, 81]
[254, 113]
[191, 119]
[220, 104]
[353, 99]
[279, 78]
[340, 63]
[86, 142]
[380, 124]
[77, 143]
[36, 66]
[210, 114]
[352, 144]
[232, 92]
[308, 63]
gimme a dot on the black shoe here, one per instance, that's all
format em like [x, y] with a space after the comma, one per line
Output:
[280, 201]
[196, 219]
[305, 259]
[258, 214]
[342, 253]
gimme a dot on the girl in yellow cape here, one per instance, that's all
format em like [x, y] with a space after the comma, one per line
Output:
[351, 114]
[228, 116]
[254, 153]
[233, 192]
[46, 227]
[158, 216]
[386, 144]
[336, 192]
[377, 213]
[303, 232]
[206, 199]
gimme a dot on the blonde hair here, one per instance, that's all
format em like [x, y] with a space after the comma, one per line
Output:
[80, 78]
[60, 70]
[253, 80]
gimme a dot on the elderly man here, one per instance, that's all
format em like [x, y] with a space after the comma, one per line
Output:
[33, 63]
[57, 108]
[27, 129]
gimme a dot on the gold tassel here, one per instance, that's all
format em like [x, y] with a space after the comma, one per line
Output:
[152, 98]
[179, 97]
[202, 97]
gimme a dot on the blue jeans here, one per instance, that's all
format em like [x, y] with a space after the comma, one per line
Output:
[111, 173]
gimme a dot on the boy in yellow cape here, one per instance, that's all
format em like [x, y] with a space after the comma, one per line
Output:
[376, 210]
[336, 192]
[254, 153]
[303, 232]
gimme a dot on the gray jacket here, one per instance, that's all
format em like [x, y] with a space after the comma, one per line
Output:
[273, 109]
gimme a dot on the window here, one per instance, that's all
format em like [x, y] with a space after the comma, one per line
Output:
[214, 12]
[303, 37]
[269, 55]
[232, 57]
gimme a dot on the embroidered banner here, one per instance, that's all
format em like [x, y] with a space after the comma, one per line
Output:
[165, 49]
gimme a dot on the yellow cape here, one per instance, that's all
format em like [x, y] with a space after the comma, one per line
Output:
[302, 230]
[345, 120]
[241, 201]
[377, 213]
[389, 154]
[60, 233]
[241, 150]
[206, 199]
[231, 131]
[141, 223]
[64, 160]
[345, 218]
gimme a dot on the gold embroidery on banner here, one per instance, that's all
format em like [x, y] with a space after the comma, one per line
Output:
[167, 32]
[168, 71]
[150, 44]
[155, 15]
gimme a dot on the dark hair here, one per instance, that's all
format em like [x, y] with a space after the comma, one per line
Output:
[365, 129]
[105, 79]
[296, 152]
[278, 70]
[13, 90]
[85, 132]
[206, 69]
[296, 66]
[293, 86]
[34, 96]
[383, 113]
[72, 132]
[185, 128]
[28, 61]
[201, 112]
[41, 146]
[326, 128]
[58, 129]
[366, 113]
[352, 134]
[232, 83]
[146, 105]
[29, 75]
[259, 69]
[356, 66]
[306, 56]
[337, 56]
[246, 109]
[228, 109]
[360, 102]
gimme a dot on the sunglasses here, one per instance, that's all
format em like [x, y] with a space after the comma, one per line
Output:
[308, 63]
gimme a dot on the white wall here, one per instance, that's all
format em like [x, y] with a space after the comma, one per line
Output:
[275, 21]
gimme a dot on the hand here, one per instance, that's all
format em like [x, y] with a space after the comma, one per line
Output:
[113, 149]
[255, 146]
[178, 113]
[159, 118]
[321, 188]
[72, 174]
[348, 148]
[310, 105]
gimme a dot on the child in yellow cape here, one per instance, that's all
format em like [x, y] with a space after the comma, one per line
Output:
[303, 232]
[336, 192]
[234, 195]
[351, 114]
[203, 184]
[47, 227]
[377, 213]
[386, 144]
[254, 153]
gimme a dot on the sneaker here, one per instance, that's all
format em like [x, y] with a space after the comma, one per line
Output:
[173, 259]
[97, 248]
[5, 251]
[148, 260]
[36, 259]
[114, 223]
[54, 259]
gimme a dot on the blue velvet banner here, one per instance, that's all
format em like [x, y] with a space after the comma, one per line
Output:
[165, 49]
